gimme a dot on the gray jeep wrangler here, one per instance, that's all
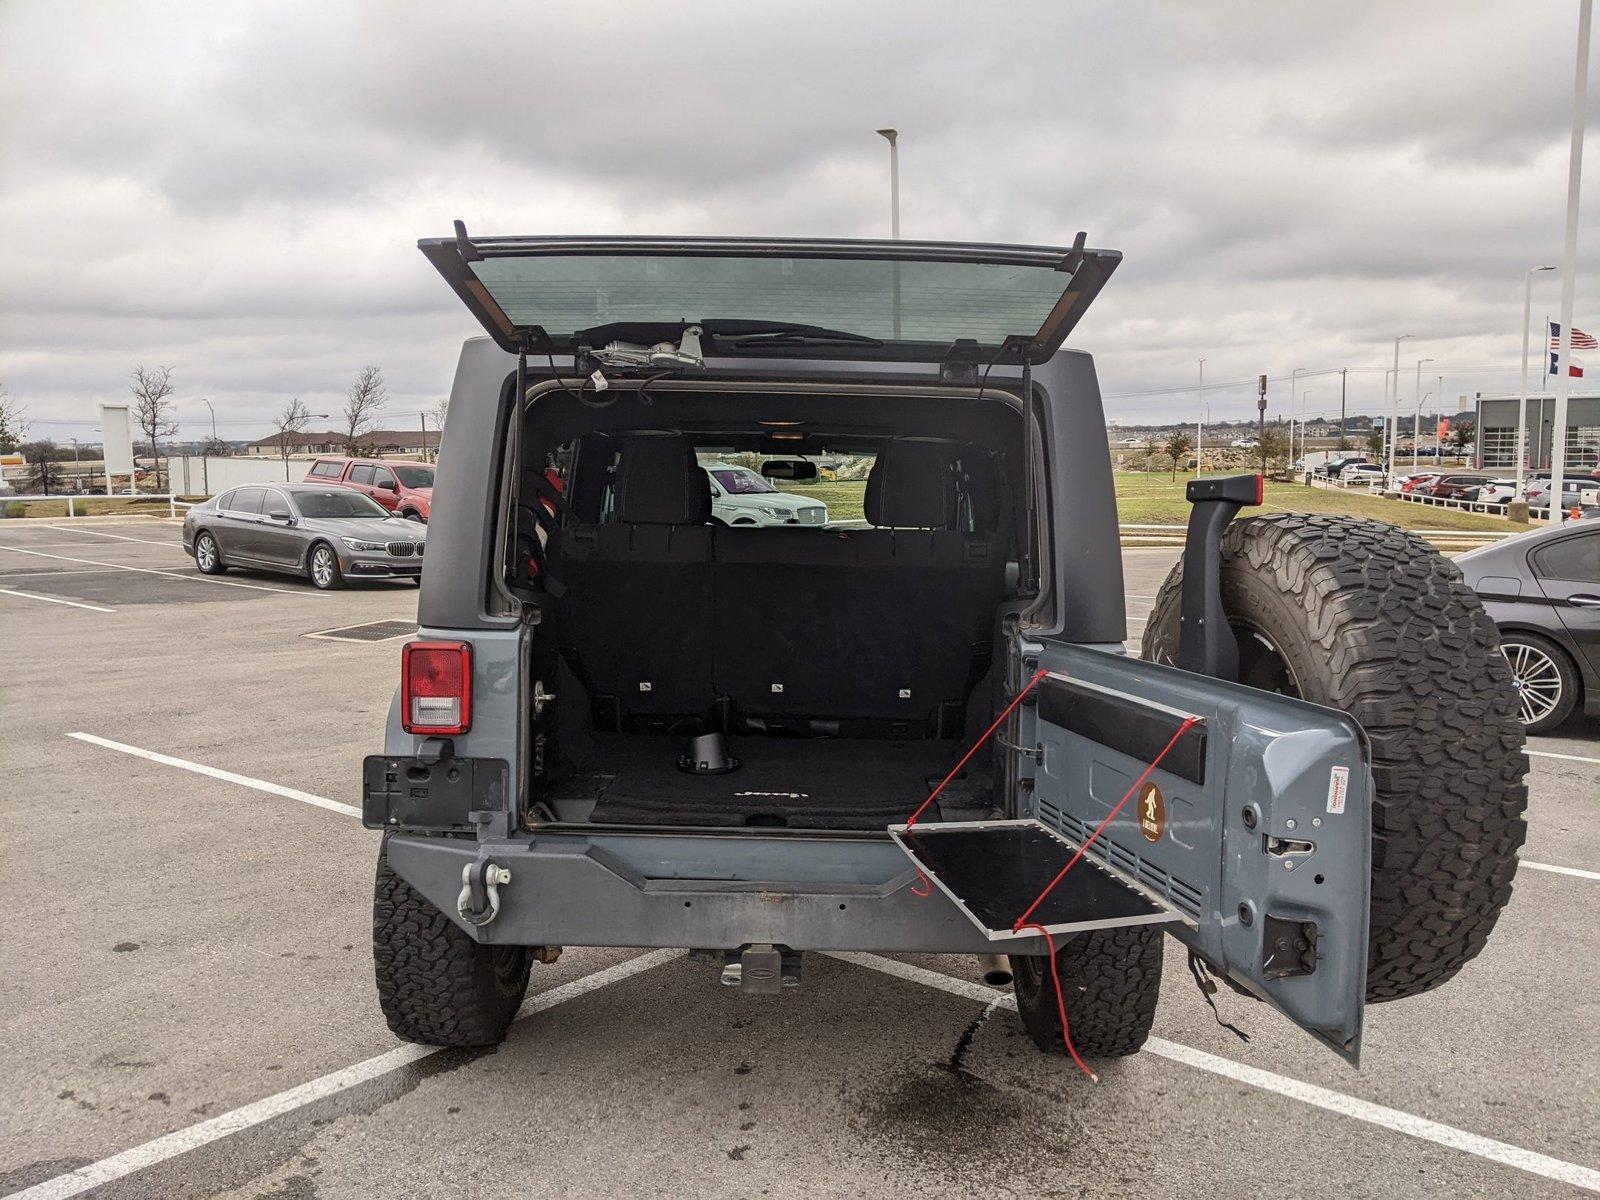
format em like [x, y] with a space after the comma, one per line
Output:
[624, 724]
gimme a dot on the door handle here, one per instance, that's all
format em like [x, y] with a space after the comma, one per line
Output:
[1582, 601]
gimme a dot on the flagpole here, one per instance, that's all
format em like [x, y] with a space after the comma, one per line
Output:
[1569, 265]
[1522, 409]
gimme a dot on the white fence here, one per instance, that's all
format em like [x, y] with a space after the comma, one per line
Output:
[196, 476]
[72, 502]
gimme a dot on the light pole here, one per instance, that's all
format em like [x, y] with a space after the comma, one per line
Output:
[1294, 383]
[1394, 405]
[1417, 395]
[892, 136]
[1199, 418]
[1416, 428]
[1436, 439]
[1522, 397]
[1304, 409]
[1569, 266]
[213, 412]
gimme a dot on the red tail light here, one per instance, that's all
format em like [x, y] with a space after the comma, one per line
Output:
[436, 687]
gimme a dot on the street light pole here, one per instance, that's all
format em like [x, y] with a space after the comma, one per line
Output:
[1394, 405]
[1436, 438]
[1522, 397]
[892, 136]
[1416, 431]
[213, 412]
[1199, 418]
[1305, 408]
[1569, 266]
[1294, 385]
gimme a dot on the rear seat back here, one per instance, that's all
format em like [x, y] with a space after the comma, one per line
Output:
[888, 624]
[665, 615]
[636, 616]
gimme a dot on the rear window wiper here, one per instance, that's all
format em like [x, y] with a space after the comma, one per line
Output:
[784, 333]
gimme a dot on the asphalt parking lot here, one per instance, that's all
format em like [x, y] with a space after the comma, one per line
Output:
[189, 1007]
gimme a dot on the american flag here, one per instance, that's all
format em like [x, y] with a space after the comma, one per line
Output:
[1580, 339]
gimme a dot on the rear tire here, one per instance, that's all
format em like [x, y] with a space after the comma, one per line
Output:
[208, 555]
[1110, 980]
[435, 984]
[1545, 678]
[1370, 619]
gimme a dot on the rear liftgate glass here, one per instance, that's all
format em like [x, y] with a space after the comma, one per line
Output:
[939, 302]
[1250, 840]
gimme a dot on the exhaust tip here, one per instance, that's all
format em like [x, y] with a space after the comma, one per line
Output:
[996, 970]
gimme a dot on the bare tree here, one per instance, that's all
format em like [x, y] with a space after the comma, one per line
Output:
[152, 409]
[362, 403]
[439, 410]
[292, 420]
[13, 422]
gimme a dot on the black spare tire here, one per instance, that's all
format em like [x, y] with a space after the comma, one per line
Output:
[1368, 618]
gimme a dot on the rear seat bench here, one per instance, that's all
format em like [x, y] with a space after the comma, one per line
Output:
[666, 616]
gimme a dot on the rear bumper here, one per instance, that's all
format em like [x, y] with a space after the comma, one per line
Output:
[697, 891]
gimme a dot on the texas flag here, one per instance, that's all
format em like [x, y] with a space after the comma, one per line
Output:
[1580, 341]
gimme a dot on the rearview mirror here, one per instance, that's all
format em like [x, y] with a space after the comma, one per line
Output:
[388, 485]
[797, 469]
[279, 514]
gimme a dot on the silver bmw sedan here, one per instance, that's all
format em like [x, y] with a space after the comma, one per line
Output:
[328, 534]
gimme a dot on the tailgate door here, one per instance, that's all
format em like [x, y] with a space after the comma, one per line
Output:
[1256, 826]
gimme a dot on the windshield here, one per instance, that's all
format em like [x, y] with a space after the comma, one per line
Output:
[415, 477]
[337, 503]
[740, 481]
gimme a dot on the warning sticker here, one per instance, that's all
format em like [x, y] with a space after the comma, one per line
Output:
[1338, 788]
[1152, 813]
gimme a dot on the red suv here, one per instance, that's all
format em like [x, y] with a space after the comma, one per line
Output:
[404, 488]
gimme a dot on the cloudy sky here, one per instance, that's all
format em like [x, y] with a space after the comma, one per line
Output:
[235, 190]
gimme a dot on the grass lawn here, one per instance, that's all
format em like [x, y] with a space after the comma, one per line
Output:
[1157, 499]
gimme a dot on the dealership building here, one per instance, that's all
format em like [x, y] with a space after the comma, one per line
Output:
[1497, 430]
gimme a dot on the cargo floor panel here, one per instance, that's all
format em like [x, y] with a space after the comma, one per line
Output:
[798, 783]
[994, 870]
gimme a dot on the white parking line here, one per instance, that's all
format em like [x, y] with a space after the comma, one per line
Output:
[56, 600]
[181, 1141]
[1294, 1089]
[94, 562]
[121, 537]
[1555, 870]
[260, 785]
[1562, 757]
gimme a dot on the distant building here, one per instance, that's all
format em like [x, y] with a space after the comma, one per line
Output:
[380, 443]
[1497, 430]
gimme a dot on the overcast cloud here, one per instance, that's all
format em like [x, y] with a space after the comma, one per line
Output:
[235, 190]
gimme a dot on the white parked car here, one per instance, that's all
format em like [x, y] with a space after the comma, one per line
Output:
[1363, 472]
[1498, 491]
[739, 496]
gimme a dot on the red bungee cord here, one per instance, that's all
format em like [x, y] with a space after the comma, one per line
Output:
[1023, 922]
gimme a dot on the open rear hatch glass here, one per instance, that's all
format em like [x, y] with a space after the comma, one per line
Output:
[904, 301]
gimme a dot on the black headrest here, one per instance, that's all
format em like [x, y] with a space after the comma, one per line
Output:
[912, 485]
[658, 482]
